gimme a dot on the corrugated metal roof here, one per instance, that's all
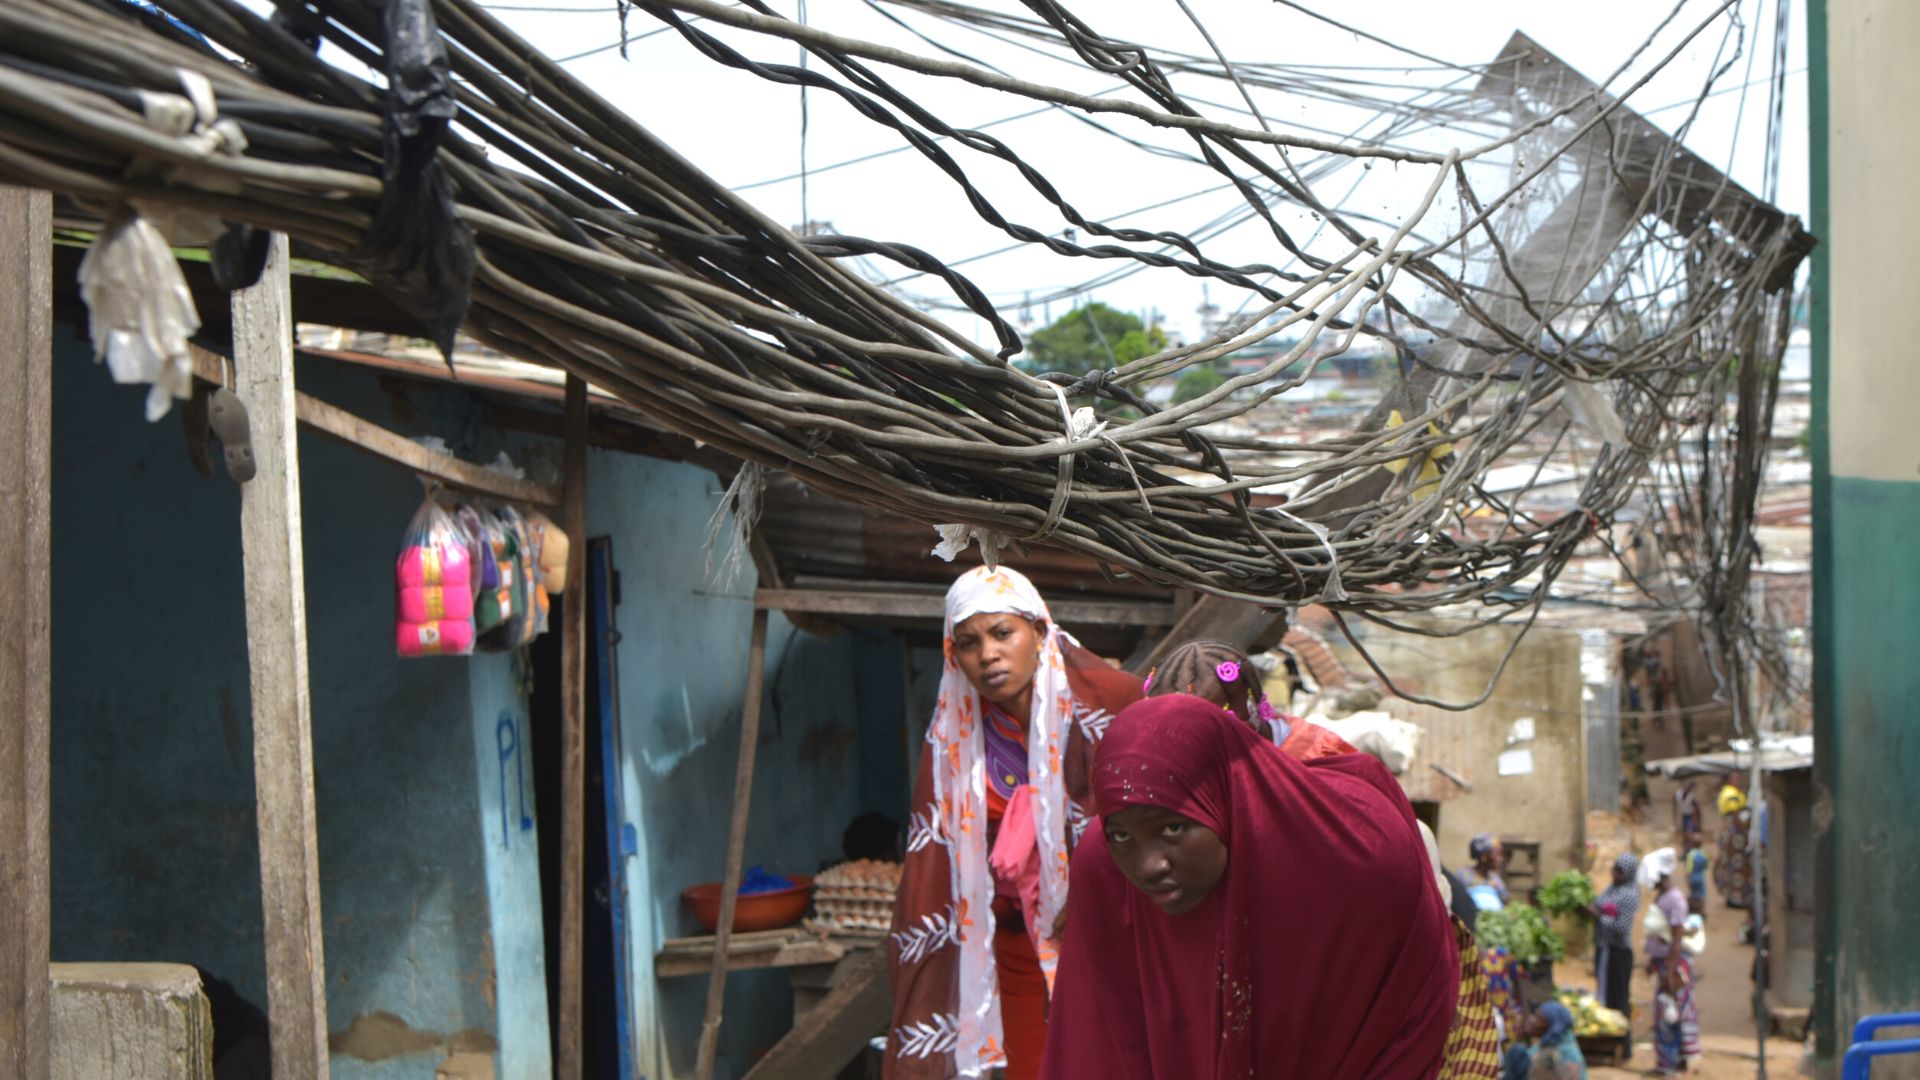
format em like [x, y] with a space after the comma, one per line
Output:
[816, 536]
[1789, 757]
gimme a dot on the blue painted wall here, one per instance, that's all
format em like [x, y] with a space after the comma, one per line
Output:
[431, 895]
[431, 909]
[682, 662]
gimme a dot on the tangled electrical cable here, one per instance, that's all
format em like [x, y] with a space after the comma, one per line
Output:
[1600, 284]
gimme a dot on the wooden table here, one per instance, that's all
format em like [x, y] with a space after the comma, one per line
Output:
[840, 992]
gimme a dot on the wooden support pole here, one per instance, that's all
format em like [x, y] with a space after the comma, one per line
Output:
[26, 686]
[736, 846]
[573, 745]
[277, 670]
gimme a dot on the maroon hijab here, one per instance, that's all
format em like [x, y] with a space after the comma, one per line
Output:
[1324, 953]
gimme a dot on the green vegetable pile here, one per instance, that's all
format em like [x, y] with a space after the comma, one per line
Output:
[1522, 931]
[1566, 893]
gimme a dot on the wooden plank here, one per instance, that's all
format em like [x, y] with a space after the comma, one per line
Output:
[351, 430]
[834, 1031]
[573, 745]
[703, 943]
[736, 845]
[277, 667]
[26, 687]
[747, 956]
[1213, 618]
[861, 603]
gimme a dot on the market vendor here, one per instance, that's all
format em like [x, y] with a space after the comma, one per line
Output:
[1002, 794]
[1484, 883]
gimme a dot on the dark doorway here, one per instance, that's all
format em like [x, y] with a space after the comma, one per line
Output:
[600, 1026]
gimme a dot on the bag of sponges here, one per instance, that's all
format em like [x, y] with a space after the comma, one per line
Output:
[435, 576]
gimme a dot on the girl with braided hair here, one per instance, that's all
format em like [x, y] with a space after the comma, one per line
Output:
[1217, 672]
[1223, 676]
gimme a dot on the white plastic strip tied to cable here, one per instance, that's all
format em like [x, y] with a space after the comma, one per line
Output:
[1078, 424]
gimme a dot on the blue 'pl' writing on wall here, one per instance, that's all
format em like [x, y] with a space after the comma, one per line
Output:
[507, 736]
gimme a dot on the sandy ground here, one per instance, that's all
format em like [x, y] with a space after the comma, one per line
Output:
[1722, 974]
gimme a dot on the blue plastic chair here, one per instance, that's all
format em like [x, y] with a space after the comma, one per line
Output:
[1859, 1057]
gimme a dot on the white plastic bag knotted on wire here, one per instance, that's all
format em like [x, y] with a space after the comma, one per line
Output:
[955, 538]
[139, 310]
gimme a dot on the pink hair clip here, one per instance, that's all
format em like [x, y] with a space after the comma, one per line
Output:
[1228, 672]
[1267, 711]
[1147, 687]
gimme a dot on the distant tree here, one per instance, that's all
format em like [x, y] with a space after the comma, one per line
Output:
[1090, 337]
[1194, 383]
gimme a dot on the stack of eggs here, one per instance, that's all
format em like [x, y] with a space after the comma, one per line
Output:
[856, 896]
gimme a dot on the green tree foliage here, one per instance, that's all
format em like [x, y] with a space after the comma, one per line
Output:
[1196, 382]
[1079, 341]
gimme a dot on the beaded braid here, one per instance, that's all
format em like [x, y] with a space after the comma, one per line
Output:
[1196, 663]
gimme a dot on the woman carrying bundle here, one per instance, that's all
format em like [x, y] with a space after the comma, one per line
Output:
[1002, 794]
[1238, 913]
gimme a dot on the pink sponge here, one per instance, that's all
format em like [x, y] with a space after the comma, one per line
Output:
[428, 603]
[439, 637]
[434, 564]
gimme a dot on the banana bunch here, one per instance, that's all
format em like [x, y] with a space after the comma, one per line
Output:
[1590, 1017]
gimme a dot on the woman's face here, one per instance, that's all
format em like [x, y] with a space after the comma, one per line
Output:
[998, 653]
[1174, 860]
[1492, 859]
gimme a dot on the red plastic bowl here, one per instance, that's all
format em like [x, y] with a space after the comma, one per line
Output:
[761, 911]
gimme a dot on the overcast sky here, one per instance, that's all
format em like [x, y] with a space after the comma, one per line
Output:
[746, 131]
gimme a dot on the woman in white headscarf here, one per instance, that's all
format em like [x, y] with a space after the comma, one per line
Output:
[1001, 796]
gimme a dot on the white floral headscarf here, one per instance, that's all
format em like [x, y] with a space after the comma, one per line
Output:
[960, 786]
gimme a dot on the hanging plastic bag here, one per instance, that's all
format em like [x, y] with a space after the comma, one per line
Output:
[140, 312]
[495, 604]
[527, 577]
[554, 549]
[542, 532]
[434, 574]
[514, 593]
[479, 551]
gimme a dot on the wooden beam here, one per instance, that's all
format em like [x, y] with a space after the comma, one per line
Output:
[834, 1031]
[573, 741]
[350, 430]
[328, 301]
[26, 687]
[277, 667]
[770, 949]
[736, 846]
[860, 603]
[1212, 618]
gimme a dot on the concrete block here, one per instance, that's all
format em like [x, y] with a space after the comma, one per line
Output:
[130, 1022]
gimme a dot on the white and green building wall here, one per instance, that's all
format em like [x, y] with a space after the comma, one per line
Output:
[1865, 94]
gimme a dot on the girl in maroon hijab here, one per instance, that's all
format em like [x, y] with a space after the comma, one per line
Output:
[1241, 915]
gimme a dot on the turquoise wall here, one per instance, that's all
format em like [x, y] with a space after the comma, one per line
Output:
[428, 853]
[682, 664]
[1869, 744]
[1866, 510]
[431, 910]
